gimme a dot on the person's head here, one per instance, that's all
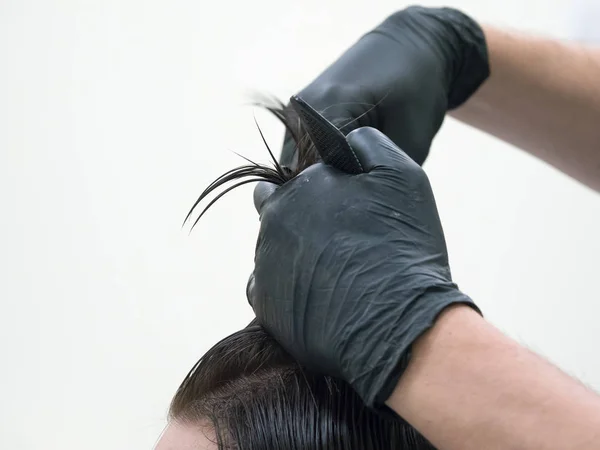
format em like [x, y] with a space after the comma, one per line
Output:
[248, 393]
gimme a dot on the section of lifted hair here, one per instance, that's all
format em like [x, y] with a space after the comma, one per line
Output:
[296, 136]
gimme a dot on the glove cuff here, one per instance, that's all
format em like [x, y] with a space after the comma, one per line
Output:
[469, 62]
[388, 366]
[457, 40]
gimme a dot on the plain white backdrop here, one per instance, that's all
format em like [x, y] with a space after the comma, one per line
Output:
[114, 115]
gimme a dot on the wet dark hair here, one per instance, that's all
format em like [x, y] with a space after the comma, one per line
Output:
[251, 391]
[257, 397]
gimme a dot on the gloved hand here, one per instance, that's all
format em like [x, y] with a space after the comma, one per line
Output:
[402, 77]
[351, 269]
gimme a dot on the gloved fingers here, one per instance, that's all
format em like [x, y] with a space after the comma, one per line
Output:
[338, 114]
[374, 149]
[262, 192]
[346, 115]
[250, 290]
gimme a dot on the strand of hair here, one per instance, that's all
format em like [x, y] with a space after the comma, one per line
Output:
[277, 166]
[263, 173]
[241, 183]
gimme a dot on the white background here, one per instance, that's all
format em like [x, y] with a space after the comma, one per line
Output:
[114, 115]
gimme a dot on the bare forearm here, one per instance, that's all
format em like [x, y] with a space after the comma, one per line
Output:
[544, 97]
[470, 387]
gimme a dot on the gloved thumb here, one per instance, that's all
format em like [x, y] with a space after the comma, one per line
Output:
[374, 149]
[262, 192]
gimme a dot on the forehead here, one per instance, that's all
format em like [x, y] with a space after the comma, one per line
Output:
[179, 436]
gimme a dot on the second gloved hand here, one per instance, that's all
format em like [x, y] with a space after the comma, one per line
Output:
[402, 77]
[351, 269]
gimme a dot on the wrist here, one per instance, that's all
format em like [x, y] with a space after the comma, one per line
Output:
[454, 317]
[468, 386]
[438, 364]
[392, 353]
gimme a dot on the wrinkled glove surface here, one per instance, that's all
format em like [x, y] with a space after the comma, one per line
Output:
[402, 78]
[351, 269]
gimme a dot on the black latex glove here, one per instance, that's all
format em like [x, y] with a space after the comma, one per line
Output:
[402, 77]
[351, 269]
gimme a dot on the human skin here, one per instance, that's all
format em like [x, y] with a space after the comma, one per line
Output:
[542, 96]
[186, 436]
[468, 387]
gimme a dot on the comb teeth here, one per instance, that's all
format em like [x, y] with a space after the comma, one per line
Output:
[329, 142]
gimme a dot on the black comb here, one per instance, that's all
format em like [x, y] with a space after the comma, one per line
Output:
[329, 142]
